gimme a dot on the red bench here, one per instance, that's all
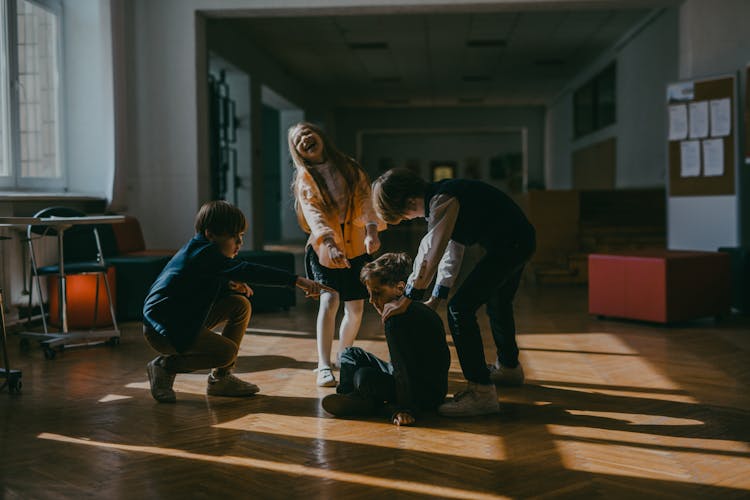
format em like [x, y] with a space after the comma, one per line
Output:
[663, 286]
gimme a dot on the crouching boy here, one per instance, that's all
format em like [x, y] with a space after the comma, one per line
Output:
[201, 287]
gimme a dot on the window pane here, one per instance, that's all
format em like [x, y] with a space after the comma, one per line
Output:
[38, 91]
[5, 169]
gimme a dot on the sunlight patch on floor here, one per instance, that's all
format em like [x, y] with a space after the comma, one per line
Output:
[443, 442]
[285, 468]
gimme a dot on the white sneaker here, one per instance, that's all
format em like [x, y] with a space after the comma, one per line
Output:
[502, 375]
[325, 377]
[475, 400]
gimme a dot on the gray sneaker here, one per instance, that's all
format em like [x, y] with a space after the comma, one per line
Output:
[475, 400]
[229, 385]
[502, 375]
[161, 381]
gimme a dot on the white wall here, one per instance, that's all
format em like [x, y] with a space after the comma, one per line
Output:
[646, 61]
[88, 97]
[714, 40]
[351, 121]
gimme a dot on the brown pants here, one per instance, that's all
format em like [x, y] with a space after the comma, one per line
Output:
[209, 350]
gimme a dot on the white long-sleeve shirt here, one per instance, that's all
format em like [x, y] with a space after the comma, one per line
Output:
[437, 251]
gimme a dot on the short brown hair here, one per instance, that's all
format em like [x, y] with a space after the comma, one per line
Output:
[389, 268]
[221, 218]
[392, 190]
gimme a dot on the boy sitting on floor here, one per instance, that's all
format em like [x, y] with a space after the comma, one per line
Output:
[416, 379]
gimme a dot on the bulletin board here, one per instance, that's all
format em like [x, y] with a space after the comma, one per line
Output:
[702, 137]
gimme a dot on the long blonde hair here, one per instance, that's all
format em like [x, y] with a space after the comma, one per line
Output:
[346, 166]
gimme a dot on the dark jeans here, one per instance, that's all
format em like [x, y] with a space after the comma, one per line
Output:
[494, 282]
[366, 374]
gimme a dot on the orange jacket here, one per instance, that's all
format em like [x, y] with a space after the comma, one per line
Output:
[322, 221]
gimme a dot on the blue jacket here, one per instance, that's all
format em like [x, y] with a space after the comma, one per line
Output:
[181, 297]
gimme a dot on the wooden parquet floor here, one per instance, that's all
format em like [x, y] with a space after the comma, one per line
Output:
[610, 410]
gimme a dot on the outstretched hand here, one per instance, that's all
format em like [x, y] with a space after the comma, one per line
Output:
[241, 287]
[398, 306]
[312, 289]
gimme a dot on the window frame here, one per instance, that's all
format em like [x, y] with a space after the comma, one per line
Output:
[15, 181]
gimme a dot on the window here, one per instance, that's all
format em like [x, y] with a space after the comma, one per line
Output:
[30, 129]
[594, 103]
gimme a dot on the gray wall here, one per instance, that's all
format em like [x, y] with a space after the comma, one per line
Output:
[714, 40]
[349, 122]
[646, 61]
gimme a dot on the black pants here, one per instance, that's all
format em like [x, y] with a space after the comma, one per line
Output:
[494, 282]
[366, 374]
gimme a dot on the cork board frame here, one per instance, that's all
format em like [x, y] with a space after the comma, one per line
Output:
[704, 90]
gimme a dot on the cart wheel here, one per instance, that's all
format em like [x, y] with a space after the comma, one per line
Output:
[49, 353]
[15, 386]
[24, 344]
[113, 341]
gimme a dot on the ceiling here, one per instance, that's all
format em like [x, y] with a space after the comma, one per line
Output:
[439, 59]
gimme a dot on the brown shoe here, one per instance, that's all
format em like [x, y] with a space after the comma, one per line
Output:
[348, 405]
[230, 386]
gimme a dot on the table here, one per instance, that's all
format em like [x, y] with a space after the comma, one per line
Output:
[66, 337]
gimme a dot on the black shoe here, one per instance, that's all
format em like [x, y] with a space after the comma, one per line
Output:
[348, 405]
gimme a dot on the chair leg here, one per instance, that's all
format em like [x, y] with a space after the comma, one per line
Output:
[96, 302]
[31, 296]
[38, 286]
[111, 303]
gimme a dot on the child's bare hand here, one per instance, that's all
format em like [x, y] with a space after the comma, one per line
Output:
[372, 242]
[398, 306]
[240, 287]
[312, 289]
[403, 418]
[338, 259]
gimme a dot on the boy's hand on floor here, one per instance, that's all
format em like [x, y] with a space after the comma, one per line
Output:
[434, 302]
[240, 287]
[398, 306]
[312, 289]
[403, 418]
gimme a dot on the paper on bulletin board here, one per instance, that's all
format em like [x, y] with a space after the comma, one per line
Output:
[690, 158]
[681, 92]
[713, 157]
[678, 122]
[698, 119]
[721, 117]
